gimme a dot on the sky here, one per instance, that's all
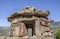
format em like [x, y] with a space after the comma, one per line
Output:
[8, 7]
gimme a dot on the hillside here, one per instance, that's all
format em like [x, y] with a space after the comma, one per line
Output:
[4, 30]
[55, 25]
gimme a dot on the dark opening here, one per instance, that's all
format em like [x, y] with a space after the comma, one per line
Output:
[30, 29]
[30, 26]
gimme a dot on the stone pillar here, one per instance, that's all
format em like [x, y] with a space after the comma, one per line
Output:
[18, 29]
[22, 29]
[37, 28]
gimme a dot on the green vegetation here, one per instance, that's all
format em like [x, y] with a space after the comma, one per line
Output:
[57, 33]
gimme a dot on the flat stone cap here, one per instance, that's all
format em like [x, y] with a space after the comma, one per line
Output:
[29, 11]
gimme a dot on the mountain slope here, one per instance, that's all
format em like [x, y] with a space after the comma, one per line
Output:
[55, 25]
[4, 30]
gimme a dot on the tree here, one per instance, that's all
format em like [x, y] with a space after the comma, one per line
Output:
[57, 33]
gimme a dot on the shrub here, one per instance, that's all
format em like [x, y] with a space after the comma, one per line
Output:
[57, 33]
